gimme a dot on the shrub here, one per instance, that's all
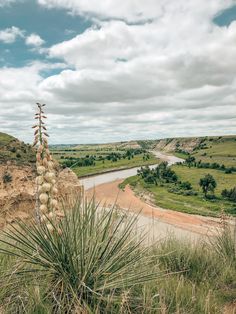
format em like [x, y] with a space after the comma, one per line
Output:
[7, 177]
[229, 194]
[186, 185]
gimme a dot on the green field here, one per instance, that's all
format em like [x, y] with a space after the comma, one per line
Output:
[193, 204]
[110, 166]
[99, 154]
[221, 152]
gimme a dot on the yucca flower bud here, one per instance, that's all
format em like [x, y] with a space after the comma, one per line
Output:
[46, 187]
[39, 180]
[41, 169]
[54, 191]
[40, 189]
[45, 162]
[50, 215]
[53, 203]
[50, 165]
[43, 208]
[49, 176]
[43, 198]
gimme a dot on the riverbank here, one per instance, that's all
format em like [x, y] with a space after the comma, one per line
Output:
[164, 221]
[99, 172]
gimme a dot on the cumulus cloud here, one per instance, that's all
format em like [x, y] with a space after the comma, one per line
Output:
[9, 35]
[136, 10]
[145, 69]
[34, 40]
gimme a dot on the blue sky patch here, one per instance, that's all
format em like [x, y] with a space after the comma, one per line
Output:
[53, 26]
[226, 17]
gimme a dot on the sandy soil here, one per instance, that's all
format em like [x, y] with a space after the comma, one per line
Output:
[109, 193]
[17, 198]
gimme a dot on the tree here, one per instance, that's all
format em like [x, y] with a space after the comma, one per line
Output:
[207, 183]
[190, 160]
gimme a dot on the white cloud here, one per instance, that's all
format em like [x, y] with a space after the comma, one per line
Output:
[137, 10]
[34, 40]
[173, 75]
[9, 35]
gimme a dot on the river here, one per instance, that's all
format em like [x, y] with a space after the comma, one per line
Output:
[153, 227]
[95, 180]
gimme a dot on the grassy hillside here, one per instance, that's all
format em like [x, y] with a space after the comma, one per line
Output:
[220, 149]
[11, 149]
[6, 139]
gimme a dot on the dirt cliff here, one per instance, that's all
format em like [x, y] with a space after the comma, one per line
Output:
[18, 190]
[172, 144]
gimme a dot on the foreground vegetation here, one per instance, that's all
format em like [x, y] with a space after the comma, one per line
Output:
[98, 264]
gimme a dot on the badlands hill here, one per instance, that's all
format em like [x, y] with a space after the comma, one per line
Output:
[178, 144]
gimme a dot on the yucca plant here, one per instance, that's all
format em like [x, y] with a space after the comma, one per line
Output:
[92, 263]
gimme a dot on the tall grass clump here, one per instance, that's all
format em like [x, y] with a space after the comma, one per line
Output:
[225, 241]
[91, 264]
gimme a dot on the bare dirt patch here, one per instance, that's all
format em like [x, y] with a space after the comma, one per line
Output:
[109, 193]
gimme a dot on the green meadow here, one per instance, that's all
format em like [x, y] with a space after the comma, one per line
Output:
[99, 155]
[215, 149]
[163, 196]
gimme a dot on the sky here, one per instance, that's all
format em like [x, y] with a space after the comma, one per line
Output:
[112, 70]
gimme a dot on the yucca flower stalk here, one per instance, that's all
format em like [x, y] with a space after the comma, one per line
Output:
[46, 203]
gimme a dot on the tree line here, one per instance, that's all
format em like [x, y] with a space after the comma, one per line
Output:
[162, 174]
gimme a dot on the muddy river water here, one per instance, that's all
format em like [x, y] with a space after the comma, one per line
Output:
[155, 228]
[93, 181]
